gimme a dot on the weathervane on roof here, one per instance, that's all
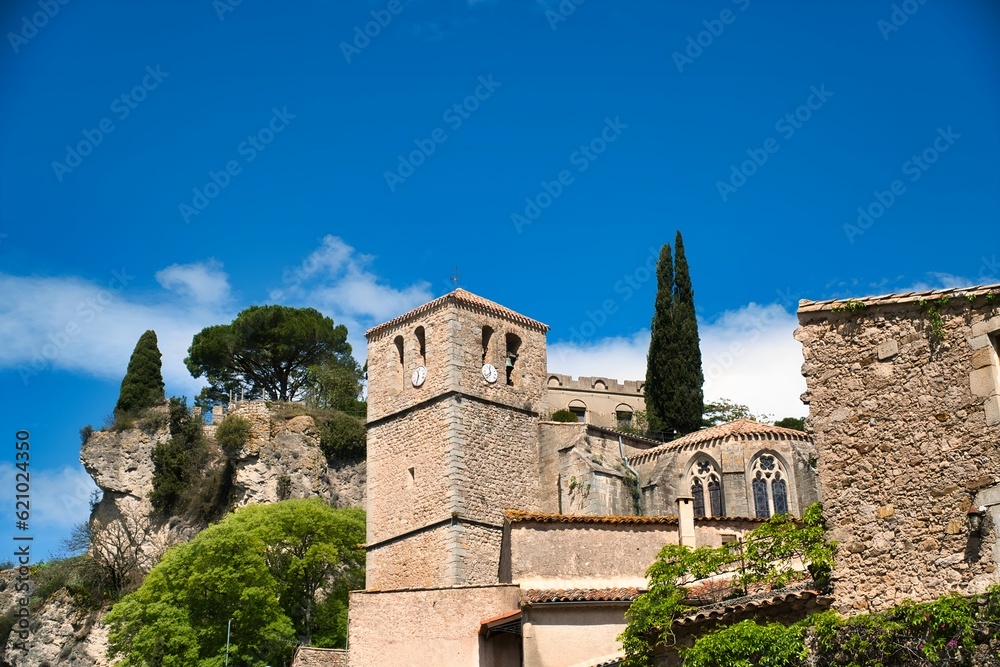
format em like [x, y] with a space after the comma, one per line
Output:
[454, 277]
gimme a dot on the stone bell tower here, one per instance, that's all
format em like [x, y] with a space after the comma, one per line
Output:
[454, 393]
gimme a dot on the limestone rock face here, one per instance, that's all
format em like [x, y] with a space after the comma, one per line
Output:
[61, 634]
[121, 465]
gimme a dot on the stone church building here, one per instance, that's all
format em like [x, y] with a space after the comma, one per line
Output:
[497, 537]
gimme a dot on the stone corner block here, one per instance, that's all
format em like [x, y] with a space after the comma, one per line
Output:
[983, 358]
[979, 342]
[983, 381]
[992, 408]
[986, 327]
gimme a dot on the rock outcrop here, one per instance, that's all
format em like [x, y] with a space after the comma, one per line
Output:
[282, 459]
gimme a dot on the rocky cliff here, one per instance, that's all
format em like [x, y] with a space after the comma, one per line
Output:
[282, 457]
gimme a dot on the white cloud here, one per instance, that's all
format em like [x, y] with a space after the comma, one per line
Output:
[336, 279]
[748, 355]
[202, 282]
[84, 326]
[60, 499]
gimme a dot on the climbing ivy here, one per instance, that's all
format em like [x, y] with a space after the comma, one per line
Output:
[765, 556]
[932, 309]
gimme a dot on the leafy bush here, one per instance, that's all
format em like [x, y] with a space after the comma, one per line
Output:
[284, 489]
[747, 644]
[767, 555]
[152, 420]
[85, 434]
[343, 437]
[272, 568]
[563, 416]
[233, 434]
[189, 478]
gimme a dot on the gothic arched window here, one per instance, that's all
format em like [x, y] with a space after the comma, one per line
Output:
[769, 483]
[705, 481]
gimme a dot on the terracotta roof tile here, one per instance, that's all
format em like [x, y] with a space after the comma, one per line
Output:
[307, 656]
[515, 516]
[539, 596]
[741, 429]
[806, 306]
[467, 299]
[752, 605]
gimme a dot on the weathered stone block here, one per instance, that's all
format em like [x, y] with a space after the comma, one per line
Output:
[983, 381]
[887, 350]
[886, 511]
[954, 527]
[992, 408]
[979, 342]
[984, 357]
[989, 326]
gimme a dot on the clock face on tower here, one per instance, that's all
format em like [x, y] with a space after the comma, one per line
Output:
[490, 373]
[419, 376]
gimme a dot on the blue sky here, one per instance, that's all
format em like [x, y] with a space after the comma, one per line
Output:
[166, 166]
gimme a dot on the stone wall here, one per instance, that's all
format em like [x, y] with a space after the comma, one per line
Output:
[603, 397]
[453, 358]
[663, 472]
[601, 552]
[419, 560]
[572, 635]
[902, 420]
[430, 628]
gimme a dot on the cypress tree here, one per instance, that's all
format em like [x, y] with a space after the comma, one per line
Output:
[687, 401]
[660, 346]
[142, 386]
[674, 378]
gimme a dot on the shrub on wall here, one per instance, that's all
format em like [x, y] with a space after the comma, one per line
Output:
[233, 434]
[563, 416]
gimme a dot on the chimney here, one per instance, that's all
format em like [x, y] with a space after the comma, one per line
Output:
[685, 520]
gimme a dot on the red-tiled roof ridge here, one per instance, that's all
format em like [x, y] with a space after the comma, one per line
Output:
[465, 298]
[548, 595]
[515, 516]
[741, 429]
[753, 604]
[806, 306]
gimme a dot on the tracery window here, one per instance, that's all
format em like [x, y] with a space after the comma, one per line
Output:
[705, 479]
[769, 483]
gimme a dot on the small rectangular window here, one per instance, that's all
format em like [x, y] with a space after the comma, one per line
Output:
[728, 538]
[581, 413]
[410, 477]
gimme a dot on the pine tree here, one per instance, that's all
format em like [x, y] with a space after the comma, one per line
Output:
[673, 390]
[142, 386]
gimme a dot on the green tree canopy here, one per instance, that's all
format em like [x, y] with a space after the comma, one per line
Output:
[725, 410]
[281, 572]
[142, 386]
[267, 352]
[674, 378]
[797, 423]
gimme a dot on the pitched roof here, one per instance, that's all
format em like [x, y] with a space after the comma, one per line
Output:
[470, 301]
[806, 306]
[308, 656]
[741, 429]
[771, 601]
[515, 516]
[543, 596]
